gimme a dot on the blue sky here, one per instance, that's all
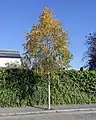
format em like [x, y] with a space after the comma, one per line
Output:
[18, 16]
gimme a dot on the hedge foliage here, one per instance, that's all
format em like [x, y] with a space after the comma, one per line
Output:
[26, 88]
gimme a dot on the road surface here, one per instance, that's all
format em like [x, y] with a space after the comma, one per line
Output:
[86, 115]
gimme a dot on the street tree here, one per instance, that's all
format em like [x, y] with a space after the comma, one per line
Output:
[47, 46]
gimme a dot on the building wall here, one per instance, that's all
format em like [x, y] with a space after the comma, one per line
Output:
[3, 61]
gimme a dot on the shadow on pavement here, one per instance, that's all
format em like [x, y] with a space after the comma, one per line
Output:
[42, 108]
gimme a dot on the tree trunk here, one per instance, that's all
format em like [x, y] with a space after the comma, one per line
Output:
[48, 94]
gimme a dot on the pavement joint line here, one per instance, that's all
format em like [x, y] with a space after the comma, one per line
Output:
[46, 112]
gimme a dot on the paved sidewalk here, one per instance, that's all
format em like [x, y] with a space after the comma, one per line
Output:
[43, 110]
[75, 106]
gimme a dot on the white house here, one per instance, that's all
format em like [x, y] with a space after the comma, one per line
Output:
[9, 57]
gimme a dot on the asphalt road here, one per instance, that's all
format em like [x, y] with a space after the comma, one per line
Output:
[87, 115]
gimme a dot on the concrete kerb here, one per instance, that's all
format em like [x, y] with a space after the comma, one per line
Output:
[47, 112]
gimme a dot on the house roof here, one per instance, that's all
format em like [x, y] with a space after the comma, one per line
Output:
[9, 54]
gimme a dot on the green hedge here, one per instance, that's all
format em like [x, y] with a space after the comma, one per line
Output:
[26, 88]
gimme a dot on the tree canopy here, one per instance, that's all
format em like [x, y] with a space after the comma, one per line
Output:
[47, 44]
[91, 51]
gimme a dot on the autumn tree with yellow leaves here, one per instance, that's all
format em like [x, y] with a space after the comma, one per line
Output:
[47, 45]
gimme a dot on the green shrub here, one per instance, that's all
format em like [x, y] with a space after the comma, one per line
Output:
[26, 88]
